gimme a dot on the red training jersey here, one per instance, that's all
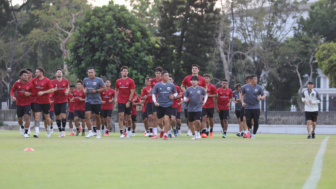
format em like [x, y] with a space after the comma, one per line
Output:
[42, 85]
[124, 87]
[79, 105]
[224, 98]
[33, 96]
[21, 88]
[107, 96]
[71, 101]
[62, 86]
[154, 81]
[147, 91]
[137, 100]
[211, 90]
[187, 81]
[176, 100]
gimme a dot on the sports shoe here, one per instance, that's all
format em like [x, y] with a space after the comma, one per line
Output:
[89, 135]
[242, 134]
[63, 134]
[207, 133]
[21, 131]
[313, 135]
[193, 138]
[169, 136]
[122, 136]
[107, 133]
[309, 137]
[77, 132]
[253, 136]
[211, 134]
[60, 135]
[98, 134]
[248, 135]
[25, 135]
[36, 135]
[155, 136]
[189, 133]
[128, 134]
[224, 135]
[179, 132]
[204, 135]
[71, 134]
[161, 134]
[133, 134]
[198, 135]
[94, 134]
[245, 135]
[238, 134]
[150, 134]
[145, 134]
[166, 137]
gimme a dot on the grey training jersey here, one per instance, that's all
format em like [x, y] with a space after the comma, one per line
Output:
[163, 91]
[195, 98]
[96, 83]
[251, 96]
[238, 106]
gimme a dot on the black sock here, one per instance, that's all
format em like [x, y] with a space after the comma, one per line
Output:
[58, 123]
[26, 131]
[204, 131]
[21, 126]
[77, 128]
[107, 131]
[83, 130]
[102, 127]
[133, 131]
[210, 130]
[63, 124]
[121, 131]
[151, 130]
[225, 132]
[95, 129]
[129, 128]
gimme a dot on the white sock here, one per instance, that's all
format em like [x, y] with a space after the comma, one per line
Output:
[165, 134]
[169, 132]
[155, 131]
[72, 130]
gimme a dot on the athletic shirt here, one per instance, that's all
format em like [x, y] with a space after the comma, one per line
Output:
[236, 96]
[21, 88]
[154, 81]
[137, 100]
[79, 105]
[42, 85]
[187, 81]
[107, 96]
[71, 101]
[224, 98]
[195, 96]
[124, 87]
[145, 91]
[163, 91]
[211, 90]
[59, 95]
[51, 96]
[314, 97]
[178, 99]
[185, 103]
[179, 107]
[144, 105]
[251, 96]
[94, 84]
[32, 96]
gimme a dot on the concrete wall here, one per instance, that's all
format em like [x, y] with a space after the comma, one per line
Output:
[273, 117]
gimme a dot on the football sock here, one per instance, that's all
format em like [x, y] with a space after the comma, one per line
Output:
[63, 124]
[21, 126]
[94, 129]
[121, 131]
[151, 129]
[155, 131]
[26, 131]
[211, 130]
[58, 123]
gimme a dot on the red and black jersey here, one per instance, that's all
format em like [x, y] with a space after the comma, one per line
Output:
[21, 88]
[124, 87]
[154, 81]
[71, 101]
[187, 81]
[107, 96]
[79, 105]
[224, 96]
[62, 86]
[211, 90]
[147, 91]
[177, 100]
[135, 100]
[42, 85]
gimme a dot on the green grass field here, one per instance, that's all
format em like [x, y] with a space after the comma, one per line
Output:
[269, 161]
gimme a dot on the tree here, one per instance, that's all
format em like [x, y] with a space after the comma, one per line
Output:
[109, 37]
[326, 58]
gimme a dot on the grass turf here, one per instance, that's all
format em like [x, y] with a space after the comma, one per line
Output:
[269, 161]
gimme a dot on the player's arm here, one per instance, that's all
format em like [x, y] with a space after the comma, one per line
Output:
[303, 98]
[67, 89]
[205, 98]
[241, 97]
[102, 89]
[13, 91]
[186, 97]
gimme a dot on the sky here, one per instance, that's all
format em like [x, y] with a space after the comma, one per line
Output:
[93, 2]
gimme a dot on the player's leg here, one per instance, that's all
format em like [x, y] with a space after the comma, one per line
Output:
[20, 114]
[98, 122]
[108, 122]
[63, 116]
[226, 122]
[178, 123]
[121, 115]
[150, 118]
[26, 118]
[38, 112]
[134, 119]
[314, 120]
[88, 110]
[70, 121]
[256, 115]
[83, 120]
[191, 119]
[248, 115]
[57, 109]
[204, 120]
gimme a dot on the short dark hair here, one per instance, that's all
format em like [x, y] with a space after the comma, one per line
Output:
[23, 71]
[194, 78]
[29, 69]
[158, 69]
[108, 80]
[207, 75]
[91, 68]
[147, 78]
[225, 80]
[123, 68]
[253, 76]
[247, 77]
[195, 65]
[164, 72]
[237, 85]
[41, 70]
[172, 77]
[310, 83]
[58, 69]
[80, 81]
[72, 85]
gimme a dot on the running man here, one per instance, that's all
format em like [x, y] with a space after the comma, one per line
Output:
[164, 102]
[194, 96]
[223, 105]
[253, 93]
[242, 110]
[71, 104]
[147, 96]
[311, 99]
[61, 91]
[51, 115]
[79, 108]
[43, 87]
[93, 87]
[107, 106]
[124, 91]
[238, 106]
[24, 90]
[209, 107]
[154, 81]
[136, 102]
[175, 106]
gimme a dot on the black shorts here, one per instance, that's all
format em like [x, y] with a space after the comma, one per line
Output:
[70, 116]
[178, 115]
[174, 112]
[186, 113]
[32, 106]
[133, 117]
[162, 111]
[45, 108]
[60, 108]
[242, 113]
[208, 112]
[122, 108]
[252, 114]
[94, 108]
[224, 114]
[194, 116]
[23, 110]
[106, 113]
[79, 114]
[154, 108]
[311, 116]
[238, 115]
[149, 108]
[51, 115]
[144, 115]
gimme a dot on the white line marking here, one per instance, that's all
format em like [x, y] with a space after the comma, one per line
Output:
[315, 174]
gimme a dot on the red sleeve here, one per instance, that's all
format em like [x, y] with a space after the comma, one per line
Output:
[178, 90]
[116, 85]
[214, 90]
[13, 89]
[231, 95]
[101, 95]
[67, 83]
[132, 85]
[113, 93]
[50, 85]
[32, 91]
[184, 82]
[138, 99]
